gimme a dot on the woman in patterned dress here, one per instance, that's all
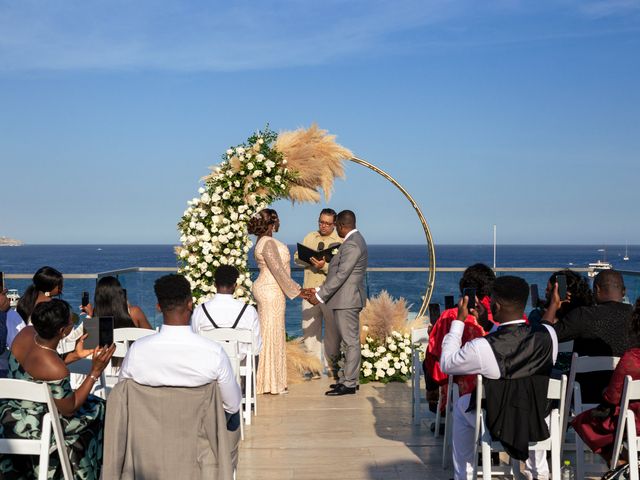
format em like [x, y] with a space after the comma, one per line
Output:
[269, 290]
[33, 357]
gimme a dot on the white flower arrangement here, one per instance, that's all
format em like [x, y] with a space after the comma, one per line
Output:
[386, 360]
[214, 226]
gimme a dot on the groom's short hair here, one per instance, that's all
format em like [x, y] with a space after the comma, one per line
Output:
[347, 218]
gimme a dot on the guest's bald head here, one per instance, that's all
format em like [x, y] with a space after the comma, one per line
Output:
[609, 286]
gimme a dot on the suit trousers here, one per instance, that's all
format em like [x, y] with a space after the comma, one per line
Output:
[463, 444]
[347, 325]
[312, 316]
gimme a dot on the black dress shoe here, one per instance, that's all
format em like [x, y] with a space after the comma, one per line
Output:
[333, 386]
[341, 390]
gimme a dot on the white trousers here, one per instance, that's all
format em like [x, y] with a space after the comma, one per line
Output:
[463, 445]
[312, 316]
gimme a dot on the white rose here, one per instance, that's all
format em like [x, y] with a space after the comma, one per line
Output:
[367, 372]
[250, 166]
[278, 178]
[229, 152]
[201, 190]
[192, 259]
[257, 173]
[205, 198]
[403, 356]
[208, 274]
[391, 371]
[240, 150]
[404, 370]
[226, 251]
[226, 196]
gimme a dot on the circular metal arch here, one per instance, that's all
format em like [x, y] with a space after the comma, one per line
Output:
[425, 226]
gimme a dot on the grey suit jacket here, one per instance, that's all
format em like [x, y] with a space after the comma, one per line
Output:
[167, 433]
[344, 287]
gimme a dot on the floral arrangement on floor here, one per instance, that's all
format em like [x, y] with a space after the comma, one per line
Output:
[385, 339]
[252, 175]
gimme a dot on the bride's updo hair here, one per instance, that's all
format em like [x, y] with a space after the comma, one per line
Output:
[259, 224]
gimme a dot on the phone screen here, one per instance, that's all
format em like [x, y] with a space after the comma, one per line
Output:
[535, 297]
[105, 329]
[449, 302]
[1, 281]
[85, 299]
[434, 313]
[561, 281]
[471, 293]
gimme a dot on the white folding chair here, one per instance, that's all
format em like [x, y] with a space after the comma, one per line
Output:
[230, 347]
[419, 342]
[81, 368]
[123, 338]
[247, 365]
[39, 393]
[574, 403]
[453, 393]
[555, 391]
[627, 422]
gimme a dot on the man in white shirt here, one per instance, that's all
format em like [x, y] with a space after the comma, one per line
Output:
[176, 356]
[513, 352]
[224, 311]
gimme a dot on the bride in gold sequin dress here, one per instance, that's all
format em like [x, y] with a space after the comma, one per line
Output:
[269, 290]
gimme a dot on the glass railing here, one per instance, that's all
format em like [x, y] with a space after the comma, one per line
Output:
[399, 282]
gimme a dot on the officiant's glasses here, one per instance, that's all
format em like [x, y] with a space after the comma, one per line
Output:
[325, 224]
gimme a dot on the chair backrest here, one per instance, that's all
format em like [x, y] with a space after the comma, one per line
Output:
[581, 365]
[420, 336]
[39, 393]
[130, 334]
[123, 337]
[631, 391]
[83, 367]
[229, 335]
[230, 346]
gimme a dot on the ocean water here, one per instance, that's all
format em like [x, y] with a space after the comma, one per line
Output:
[409, 285]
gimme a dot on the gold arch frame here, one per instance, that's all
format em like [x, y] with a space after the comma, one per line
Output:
[432, 254]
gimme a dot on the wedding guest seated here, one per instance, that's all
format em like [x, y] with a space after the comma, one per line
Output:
[580, 295]
[176, 356]
[598, 330]
[5, 305]
[597, 426]
[110, 301]
[47, 283]
[480, 277]
[515, 361]
[224, 311]
[34, 358]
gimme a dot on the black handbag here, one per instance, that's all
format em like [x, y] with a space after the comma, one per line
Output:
[621, 472]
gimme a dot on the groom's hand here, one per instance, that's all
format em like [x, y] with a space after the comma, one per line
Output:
[312, 299]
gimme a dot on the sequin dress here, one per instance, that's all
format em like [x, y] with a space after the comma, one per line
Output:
[269, 290]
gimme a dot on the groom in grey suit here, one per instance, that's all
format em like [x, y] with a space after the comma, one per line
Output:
[344, 293]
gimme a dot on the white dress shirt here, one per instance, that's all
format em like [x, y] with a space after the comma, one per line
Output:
[343, 240]
[224, 309]
[178, 357]
[476, 356]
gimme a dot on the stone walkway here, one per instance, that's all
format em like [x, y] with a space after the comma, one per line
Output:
[307, 435]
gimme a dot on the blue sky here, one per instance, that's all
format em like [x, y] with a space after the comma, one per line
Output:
[522, 114]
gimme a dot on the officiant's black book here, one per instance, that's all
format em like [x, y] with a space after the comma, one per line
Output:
[305, 253]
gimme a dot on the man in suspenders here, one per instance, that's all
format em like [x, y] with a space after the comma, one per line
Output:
[224, 311]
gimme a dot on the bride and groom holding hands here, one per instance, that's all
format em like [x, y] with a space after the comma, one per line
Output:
[340, 297]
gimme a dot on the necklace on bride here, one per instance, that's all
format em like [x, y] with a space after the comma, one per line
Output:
[35, 339]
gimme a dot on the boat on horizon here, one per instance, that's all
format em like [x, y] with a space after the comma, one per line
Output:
[599, 265]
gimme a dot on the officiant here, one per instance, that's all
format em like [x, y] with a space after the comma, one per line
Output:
[315, 273]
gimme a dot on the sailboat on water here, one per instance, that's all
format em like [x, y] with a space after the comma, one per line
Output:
[626, 252]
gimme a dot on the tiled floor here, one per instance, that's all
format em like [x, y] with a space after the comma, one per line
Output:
[307, 435]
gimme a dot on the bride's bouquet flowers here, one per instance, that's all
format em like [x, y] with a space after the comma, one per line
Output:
[386, 360]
